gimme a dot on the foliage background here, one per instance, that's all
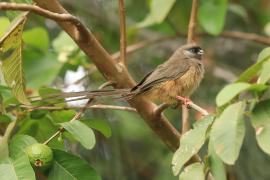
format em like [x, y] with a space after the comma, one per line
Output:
[133, 151]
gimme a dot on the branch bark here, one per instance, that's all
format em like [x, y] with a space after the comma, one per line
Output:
[122, 18]
[192, 21]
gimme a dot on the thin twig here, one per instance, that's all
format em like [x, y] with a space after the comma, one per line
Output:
[106, 84]
[192, 21]
[246, 36]
[48, 14]
[185, 121]
[158, 111]
[122, 18]
[194, 106]
[140, 45]
[38, 10]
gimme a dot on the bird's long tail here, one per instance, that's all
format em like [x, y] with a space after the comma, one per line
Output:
[74, 96]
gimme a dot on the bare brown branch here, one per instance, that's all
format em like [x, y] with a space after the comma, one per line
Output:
[194, 106]
[137, 46]
[39, 11]
[158, 111]
[123, 40]
[246, 36]
[192, 21]
[185, 121]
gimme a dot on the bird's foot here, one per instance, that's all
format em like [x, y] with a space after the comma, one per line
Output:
[185, 101]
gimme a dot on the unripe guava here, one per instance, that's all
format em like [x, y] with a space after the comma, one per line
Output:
[40, 155]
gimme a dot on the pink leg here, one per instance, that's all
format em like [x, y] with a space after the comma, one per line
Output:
[186, 101]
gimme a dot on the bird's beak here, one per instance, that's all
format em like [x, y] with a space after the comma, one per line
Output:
[201, 52]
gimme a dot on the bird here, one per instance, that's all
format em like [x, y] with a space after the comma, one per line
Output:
[180, 75]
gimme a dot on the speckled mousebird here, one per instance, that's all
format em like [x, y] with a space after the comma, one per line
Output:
[180, 75]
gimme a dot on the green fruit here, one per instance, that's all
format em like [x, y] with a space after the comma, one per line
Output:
[40, 155]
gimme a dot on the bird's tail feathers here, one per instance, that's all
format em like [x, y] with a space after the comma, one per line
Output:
[75, 96]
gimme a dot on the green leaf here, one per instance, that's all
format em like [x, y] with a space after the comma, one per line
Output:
[190, 143]
[11, 59]
[81, 133]
[179, 16]
[193, 172]
[228, 132]
[260, 119]
[229, 92]
[215, 163]
[46, 70]
[20, 168]
[4, 25]
[265, 74]
[18, 143]
[159, 10]
[212, 15]
[99, 125]
[62, 116]
[255, 68]
[69, 167]
[4, 152]
[37, 37]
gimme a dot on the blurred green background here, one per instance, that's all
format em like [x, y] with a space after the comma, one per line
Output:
[134, 152]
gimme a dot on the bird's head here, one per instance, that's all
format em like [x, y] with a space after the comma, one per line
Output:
[192, 51]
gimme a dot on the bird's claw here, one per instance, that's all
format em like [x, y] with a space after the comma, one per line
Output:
[185, 101]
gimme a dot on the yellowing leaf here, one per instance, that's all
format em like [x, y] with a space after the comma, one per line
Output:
[11, 59]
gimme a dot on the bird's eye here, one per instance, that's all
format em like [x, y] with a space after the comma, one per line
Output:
[193, 50]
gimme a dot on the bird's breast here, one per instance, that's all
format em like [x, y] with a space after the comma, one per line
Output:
[187, 83]
[180, 86]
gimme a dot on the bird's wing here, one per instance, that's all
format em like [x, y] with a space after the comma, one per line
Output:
[163, 73]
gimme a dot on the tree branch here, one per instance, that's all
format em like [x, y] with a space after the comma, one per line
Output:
[185, 121]
[194, 106]
[246, 36]
[38, 10]
[192, 21]
[137, 46]
[122, 18]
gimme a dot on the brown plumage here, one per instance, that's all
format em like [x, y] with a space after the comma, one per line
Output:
[180, 75]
